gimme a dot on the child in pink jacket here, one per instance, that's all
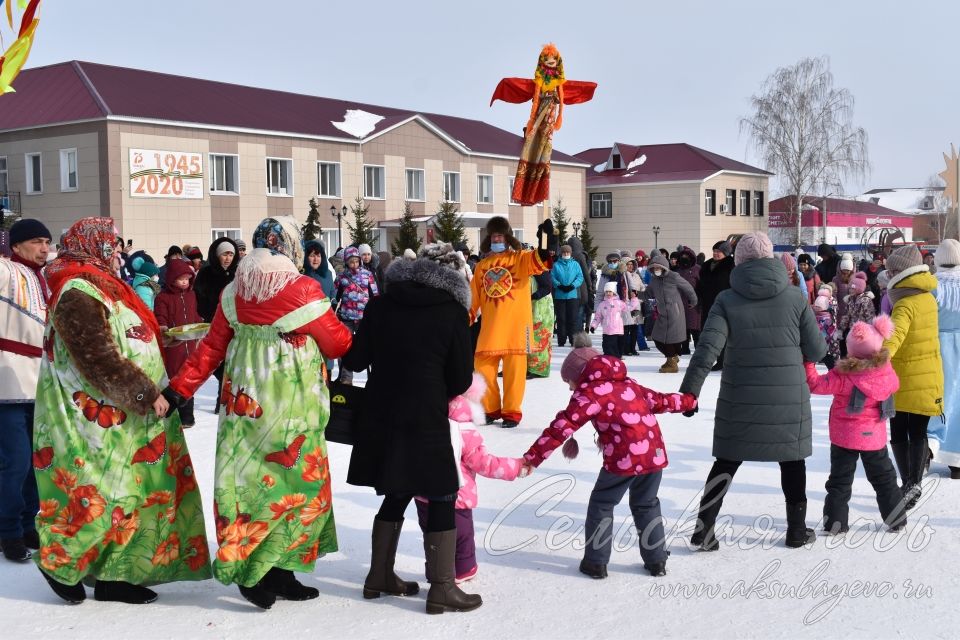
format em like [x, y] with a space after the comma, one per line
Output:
[862, 386]
[464, 412]
[609, 316]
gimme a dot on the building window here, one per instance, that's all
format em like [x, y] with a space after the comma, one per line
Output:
[484, 189]
[744, 203]
[731, 202]
[601, 205]
[68, 169]
[758, 203]
[710, 202]
[518, 234]
[233, 234]
[328, 179]
[223, 174]
[279, 177]
[512, 201]
[616, 161]
[34, 168]
[415, 185]
[373, 182]
[3, 174]
[451, 186]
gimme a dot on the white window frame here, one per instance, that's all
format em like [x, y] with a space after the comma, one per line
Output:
[4, 173]
[288, 193]
[709, 202]
[607, 202]
[744, 202]
[335, 195]
[381, 183]
[65, 171]
[510, 195]
[518, 234]
[421, 183]
[28, 172]
[730, 199]
[445, 191]
[480, 179]
[329, 239]
[233, 233]
[758, 203]
[235, 160]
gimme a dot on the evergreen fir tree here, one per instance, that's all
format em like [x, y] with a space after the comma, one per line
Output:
[361, 231]
[587, 240]
[408, 238]
[311, 229]
[449, 224]
[560, 220]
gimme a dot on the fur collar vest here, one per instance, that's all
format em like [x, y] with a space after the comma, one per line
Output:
[430, 274]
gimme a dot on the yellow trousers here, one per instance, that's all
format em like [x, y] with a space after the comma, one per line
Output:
[514, 385]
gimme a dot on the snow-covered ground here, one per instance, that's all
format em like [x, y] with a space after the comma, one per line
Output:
[869, 584]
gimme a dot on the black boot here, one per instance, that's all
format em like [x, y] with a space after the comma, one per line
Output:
[283, 584]
[955, 473]
[595, 571]
[798, 534]
[31, 539]
[704, 537]
[14, 550]
[440, 548]
[259, 594]
[902, 460]
[71, 593]
[383, 553]
[657, 569]
[918, 455]
[118, 591]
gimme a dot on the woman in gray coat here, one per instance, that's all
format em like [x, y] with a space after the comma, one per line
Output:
[674, 296]
[763, 411]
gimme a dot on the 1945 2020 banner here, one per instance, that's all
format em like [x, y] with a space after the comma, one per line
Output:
[166, 174]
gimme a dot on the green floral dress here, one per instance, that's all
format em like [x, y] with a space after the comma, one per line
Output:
[538, 360]
[272, 496]
[119, 500]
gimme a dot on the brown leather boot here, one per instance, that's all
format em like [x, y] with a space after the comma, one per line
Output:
[672, 365]
[440, 548]
[381, 578]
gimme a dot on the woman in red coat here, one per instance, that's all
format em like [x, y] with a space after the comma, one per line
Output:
[176, 306]
[272, 329]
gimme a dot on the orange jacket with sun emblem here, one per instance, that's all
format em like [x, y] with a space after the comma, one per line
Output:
[501, 293]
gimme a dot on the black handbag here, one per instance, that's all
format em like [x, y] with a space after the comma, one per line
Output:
[345, 403]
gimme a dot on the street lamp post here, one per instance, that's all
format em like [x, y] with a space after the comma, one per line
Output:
[339, 215]
[656, 235]
[576, 229]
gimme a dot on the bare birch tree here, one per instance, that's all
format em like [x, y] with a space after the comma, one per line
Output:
[802, 128]
[938, 215]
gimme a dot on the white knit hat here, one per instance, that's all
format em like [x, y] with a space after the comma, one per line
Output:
[846, 262]
[364, 249]
[610, 286]
[947, 253]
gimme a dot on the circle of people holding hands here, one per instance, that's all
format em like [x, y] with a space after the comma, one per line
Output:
[96, 480]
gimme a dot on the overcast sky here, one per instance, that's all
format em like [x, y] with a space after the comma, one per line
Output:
[674, 71]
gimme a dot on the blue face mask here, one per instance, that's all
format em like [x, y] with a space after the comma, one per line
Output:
[612, 265]
[498, 247]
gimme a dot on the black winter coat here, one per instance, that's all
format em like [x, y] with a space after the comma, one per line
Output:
[714, 278]
[212, 279]
[416, 340]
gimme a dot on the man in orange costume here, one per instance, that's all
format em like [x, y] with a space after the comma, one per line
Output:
[501, 292]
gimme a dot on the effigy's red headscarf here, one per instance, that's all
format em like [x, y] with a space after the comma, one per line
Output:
[87, 253]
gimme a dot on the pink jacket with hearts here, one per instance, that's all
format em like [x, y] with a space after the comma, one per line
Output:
[622, 412]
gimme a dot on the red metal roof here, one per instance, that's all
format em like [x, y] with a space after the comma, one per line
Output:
[73, 91]
[834, 205]
[664, 163]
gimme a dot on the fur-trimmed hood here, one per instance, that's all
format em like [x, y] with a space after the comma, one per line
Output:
[873, 376]
[427, 274]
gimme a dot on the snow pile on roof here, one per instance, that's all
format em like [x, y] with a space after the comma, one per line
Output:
[600, 168]
[358, 122]
[637, 162]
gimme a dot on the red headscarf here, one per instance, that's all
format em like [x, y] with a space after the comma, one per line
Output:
[87, 253]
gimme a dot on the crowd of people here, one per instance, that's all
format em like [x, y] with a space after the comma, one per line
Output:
[97, 483]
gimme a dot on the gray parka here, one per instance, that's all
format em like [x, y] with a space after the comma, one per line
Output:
[673, 294]
[763, 411]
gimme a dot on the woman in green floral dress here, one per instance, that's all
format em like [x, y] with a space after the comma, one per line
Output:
[119, 500]
[272, 498]
[544, 318]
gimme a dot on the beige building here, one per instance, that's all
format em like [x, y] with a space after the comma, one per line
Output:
[179, 160]
[694, 197]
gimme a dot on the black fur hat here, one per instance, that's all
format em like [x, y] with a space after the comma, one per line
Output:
[499, 224]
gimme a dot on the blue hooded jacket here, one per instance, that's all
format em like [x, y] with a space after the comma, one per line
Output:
[323, 275]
